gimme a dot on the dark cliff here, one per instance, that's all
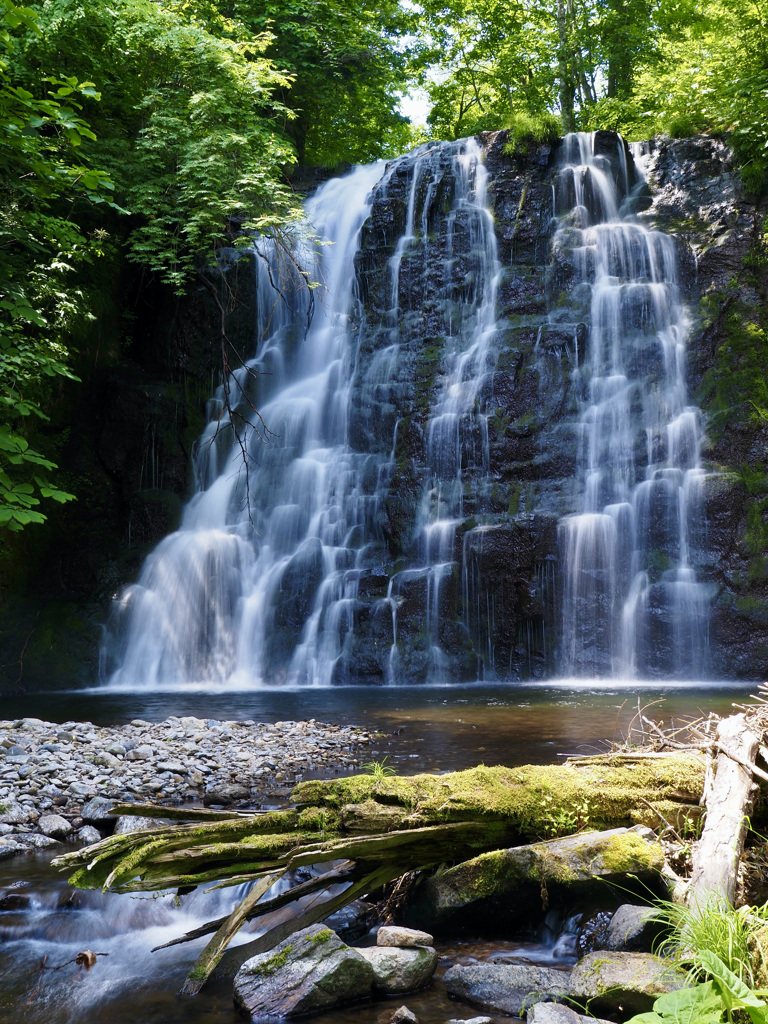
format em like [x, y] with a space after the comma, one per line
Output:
[133, 421]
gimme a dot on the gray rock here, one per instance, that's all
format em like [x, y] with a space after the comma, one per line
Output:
[625, 982]
[508, 988]
[99, 811]
[557, 1013]
[81, 789]
[36, 842]
[9, 848]
[227, 794]
[106, 760]
[405, 938]
[631, 929]
[397, 970]
[309, 972]
[14, 813]
[88, 835]
[54, 825]
[141, 753]
[473, 1020]
[403, 1015]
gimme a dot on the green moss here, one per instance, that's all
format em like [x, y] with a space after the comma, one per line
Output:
[624, 853]
[615, 788]
[320, 937]
[275, 962]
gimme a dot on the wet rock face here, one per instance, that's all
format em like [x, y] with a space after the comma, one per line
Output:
[698, 197]
[495, 612]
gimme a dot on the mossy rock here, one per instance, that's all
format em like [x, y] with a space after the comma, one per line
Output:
[485, 888]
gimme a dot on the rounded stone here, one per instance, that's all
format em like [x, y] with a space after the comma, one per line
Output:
[397, 970]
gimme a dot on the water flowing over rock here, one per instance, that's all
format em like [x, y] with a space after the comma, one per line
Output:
[479, 459]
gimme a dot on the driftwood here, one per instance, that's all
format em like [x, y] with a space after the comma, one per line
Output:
[717, 854]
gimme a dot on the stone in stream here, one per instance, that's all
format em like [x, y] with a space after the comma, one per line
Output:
[98, 811]
[632, 929]
[627, 983]
[309, 972]
[557, 1013]
[397, 970]
[403, 1015]
[481, 889]
[507, 988]
[54, 825]
[405, 938]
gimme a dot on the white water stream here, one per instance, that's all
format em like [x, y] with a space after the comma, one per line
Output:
[631, 602]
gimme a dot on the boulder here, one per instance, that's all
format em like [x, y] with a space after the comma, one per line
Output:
[507, 988]
[397, 970]
[55, 826]
[98, 811]
[14, 813]
[310, 972]
[558, 1013]
[88, 835]
[628, 983]
[632, 929]
[481, 889]
[405, 938]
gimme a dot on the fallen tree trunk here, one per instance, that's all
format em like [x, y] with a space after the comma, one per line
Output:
[717, 854]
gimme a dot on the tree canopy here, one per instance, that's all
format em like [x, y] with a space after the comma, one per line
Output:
[158, 130]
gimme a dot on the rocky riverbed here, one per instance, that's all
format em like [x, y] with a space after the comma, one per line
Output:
[57, 782]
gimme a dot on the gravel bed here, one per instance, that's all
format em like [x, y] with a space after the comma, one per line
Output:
[58, 782]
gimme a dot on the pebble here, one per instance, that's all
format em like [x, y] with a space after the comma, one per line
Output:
[58, 782]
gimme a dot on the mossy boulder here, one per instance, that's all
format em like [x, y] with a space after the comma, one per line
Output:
[628, 983]
[308, 973]
[486, 888]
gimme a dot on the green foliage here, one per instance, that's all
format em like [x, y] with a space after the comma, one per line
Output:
[715, 931]
[559, 820]
[189, 125]
[46, 178]
[378, 769]
[723, 949]
[527, 129]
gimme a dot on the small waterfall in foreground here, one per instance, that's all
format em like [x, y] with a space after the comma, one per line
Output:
[631, 604]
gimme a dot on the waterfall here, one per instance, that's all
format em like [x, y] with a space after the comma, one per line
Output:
[261, 582]
[256, 583]
[441, 456]
[631, 604]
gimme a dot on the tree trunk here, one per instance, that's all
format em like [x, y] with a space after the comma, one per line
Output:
[717, 854]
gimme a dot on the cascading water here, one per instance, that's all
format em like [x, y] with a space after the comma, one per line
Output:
[261, 581]
[399, 522]
[631, 603]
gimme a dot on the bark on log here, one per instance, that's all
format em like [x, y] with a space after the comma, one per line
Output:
[716, 856]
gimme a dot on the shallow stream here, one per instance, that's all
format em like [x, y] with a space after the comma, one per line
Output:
[423, 729]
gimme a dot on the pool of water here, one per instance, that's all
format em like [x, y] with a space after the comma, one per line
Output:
[424, 728]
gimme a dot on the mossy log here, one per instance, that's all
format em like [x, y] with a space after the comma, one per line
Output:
[406, 818]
